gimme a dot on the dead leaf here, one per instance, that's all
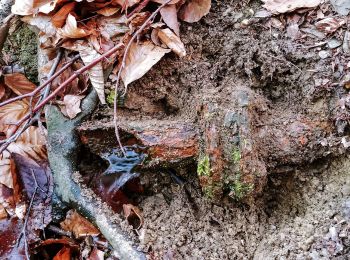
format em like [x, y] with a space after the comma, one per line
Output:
[140, 59]
[329, 24]
[285, 6]
[27, 7]
[193, 10]
[163, 1]
[169, 15]
[79, 225]
[30, 144]
[10, 115]
[172, 41]
[29, 173]
[133, 215]
[10, 231]
[96, 254]
[2, 90]
[71, 29]
[60, 17]
[71, 105]
[19, 84]
[108, 11]
[43, 23]
[64, 254]
[88, 54]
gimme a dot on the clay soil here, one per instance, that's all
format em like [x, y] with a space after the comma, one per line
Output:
[304, 210]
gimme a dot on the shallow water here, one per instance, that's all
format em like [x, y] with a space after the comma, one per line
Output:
[121, 169]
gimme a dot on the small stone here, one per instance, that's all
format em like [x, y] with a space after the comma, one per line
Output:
[346, 190]
[307, 244]
[342, 7]
[346, 209]
[314, 255]
[333, 43]
[243, 99]
[323, 54]
[346, 42]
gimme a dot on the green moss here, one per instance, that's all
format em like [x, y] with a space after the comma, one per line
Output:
[203, 168]
[238, 189]
[110, 98]
[236, 155]
[21, 47]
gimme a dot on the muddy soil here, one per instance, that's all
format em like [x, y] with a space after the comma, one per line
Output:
[302, 215]
[302, 209]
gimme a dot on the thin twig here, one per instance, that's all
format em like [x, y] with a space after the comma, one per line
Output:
[24, 229]
[143, 26]
[38, 89]
[34, 118]
[30, 120]
[138, 8]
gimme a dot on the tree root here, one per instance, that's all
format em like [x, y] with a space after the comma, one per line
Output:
[63, 145]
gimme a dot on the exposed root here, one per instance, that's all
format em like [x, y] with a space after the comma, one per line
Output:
[63, 145]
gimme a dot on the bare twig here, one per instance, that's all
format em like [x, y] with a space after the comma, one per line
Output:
[139, 8]
[143, 26]
[51, 78]
[24, 229]
[42, 102]
[34, 118]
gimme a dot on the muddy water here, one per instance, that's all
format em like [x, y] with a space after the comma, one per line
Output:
[121, 168]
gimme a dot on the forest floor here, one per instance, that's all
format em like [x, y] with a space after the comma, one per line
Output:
[301, 73]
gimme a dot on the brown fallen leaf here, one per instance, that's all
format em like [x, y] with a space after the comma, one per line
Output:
[19, 84]
[134, 215]
[2, 90]
[193, 10]
[31, 144]
[71, 29]
[171, 40]
[79, 225]
[140, 59]
[60, 17]
[27, 7]
[70, 106]
[96, 254]
[64, 254]
[169, 15]
[43, 23]
[108, 11]
[329, 24]
[31, 172]
[88, 54]
[10, 115]
[285, 6]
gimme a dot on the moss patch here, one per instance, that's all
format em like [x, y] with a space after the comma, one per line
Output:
[21, 47]
[110, 98]
[236, 155]
[238, 189]
[203, 168]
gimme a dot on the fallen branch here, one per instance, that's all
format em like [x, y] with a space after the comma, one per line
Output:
[63, 147]
[24, 229]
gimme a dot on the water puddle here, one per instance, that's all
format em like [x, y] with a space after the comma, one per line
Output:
[121, 169]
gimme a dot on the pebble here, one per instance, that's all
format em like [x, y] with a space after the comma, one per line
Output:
[323, 54]
[333, 43]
